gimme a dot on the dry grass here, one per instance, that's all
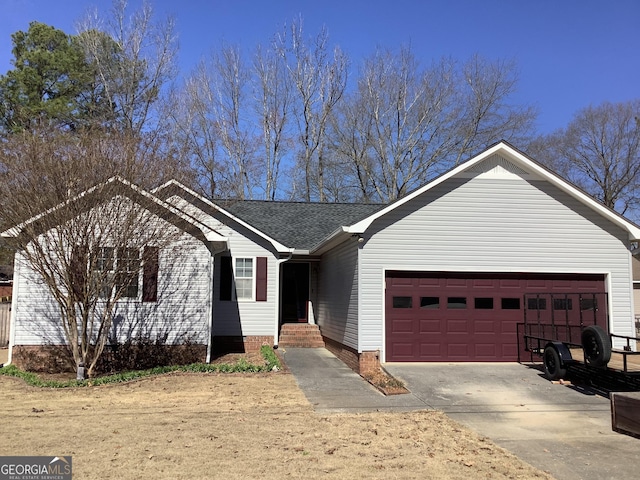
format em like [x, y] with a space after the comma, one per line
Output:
[236, 426]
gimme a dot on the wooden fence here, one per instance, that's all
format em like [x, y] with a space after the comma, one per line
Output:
[5, 321]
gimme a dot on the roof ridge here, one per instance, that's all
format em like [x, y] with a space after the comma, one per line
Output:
[289, 202]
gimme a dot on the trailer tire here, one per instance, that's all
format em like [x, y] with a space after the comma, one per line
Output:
[596, 346]
[553, 367]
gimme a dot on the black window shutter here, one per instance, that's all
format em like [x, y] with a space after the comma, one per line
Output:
[261, 279]
[226, 278]
[150, 275]
[78, 266]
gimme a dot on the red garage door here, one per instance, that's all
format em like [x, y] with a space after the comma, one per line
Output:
[437, 317]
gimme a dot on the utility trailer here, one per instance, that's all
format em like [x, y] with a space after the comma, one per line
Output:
[571, 329]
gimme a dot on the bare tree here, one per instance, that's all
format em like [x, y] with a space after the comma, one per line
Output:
[351, 136]
[404, 116]
[319, 76]
[406, 123]
[229, 87]
[83, 237]
[209, 126]
[195, 133]
[600, 152]
[133, 57]
[273, 98]
[486, 115]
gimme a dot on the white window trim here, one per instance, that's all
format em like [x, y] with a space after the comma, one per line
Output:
[125, 299]
[234, 261]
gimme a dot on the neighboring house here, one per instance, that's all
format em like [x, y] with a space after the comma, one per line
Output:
[6, 282]
[438, 275]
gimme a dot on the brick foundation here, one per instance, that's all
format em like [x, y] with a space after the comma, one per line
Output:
[42, 358]
[59, 358]
[249, 343]
[358, 362]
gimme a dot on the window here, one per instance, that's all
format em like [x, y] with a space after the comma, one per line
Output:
[104, 266]
[128, 267]
[244, 278]
[483, 303]
[104, 259]
[589, 303]
[456, 302]
[117, 267]
[402, 302]
[429, 302]
[562, 304]
[536, 303]
[510, 303]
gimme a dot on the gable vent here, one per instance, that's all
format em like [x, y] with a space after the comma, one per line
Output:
[496, 167]
[497, 164]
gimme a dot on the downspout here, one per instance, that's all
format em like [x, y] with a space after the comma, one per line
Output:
[211, 302]
[214, 248]
[14, 303]
[276, 332]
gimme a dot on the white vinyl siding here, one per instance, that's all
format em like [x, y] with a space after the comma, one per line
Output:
[244, 317]
[181, 311]
[338, 294]
[485, 224]
[231, 318]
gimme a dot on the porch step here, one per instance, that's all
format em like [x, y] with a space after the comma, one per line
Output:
[300, 335]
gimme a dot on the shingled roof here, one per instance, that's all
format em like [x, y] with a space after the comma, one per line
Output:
[300, 225]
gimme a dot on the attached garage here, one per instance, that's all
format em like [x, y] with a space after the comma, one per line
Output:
[465, 317]
[447, 272]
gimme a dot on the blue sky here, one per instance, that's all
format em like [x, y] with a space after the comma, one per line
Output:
[570, 53]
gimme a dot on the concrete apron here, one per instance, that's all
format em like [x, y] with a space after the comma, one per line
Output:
[561, 429]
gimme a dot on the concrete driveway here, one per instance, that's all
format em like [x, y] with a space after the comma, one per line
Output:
[561, 429]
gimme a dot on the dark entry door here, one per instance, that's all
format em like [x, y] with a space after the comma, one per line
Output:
[295, 292]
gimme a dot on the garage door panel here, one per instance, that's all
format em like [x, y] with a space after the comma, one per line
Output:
[473, 317]
[430, 350]
[458, 350]
[507, 283]
[401, 326]
[482, 283]
[508, 327]
[455, 283]
[485, 350]
[428, 282]
[403, 350]
[484, 326]
[429, 326]
[457, 326]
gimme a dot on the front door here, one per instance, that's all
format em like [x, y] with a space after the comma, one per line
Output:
[295, 293]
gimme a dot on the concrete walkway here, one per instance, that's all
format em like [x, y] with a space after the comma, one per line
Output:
[332, 387]
[561, 429]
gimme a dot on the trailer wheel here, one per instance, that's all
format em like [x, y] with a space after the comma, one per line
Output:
[596, 345]
[553, 368]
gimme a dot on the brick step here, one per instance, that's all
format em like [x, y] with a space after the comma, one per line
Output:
[300, 335]
[299, 327]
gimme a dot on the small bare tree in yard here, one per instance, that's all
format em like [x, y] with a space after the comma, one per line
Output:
[84, 234]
